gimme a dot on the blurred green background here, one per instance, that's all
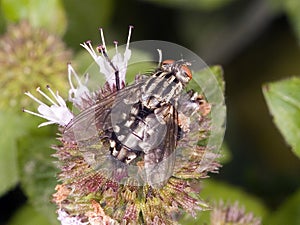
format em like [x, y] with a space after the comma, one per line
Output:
[255, 41]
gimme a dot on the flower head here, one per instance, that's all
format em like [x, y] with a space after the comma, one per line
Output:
[96, 187]
[29, 58]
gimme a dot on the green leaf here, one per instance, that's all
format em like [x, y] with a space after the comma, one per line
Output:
[194, 4]
[283, 100]
[48, 14]
[288, 212]
[215, 191]
[12, 126]
[37, 169]
[27, 215]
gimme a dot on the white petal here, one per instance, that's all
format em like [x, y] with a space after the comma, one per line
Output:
[81, 92]
[120, 61]
[46, 111]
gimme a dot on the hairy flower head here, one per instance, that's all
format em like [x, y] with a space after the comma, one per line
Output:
[29, 58]
[98, 188]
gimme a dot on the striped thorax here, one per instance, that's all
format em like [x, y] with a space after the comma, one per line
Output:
[139, 120]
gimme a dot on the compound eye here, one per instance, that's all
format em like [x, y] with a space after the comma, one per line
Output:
[168, 62]
[187, 71]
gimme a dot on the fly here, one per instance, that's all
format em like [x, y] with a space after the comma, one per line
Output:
[137, 123]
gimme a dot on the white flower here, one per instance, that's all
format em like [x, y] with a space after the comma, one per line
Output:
[57, 113]
[77, 95]
[118, 62]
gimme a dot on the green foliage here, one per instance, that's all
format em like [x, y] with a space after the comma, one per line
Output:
[27, 215]
[2, 21]
[288, 212]
[215, 73]
[47, 14]
[85, 18]
[219, 73]
[37, 169]
[225, 154]
[291, 8]
[194, 4]
[12, 126]
[283, 99]
[215, 190]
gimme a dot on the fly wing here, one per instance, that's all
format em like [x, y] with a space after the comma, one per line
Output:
[90, 122]
[96, 121]
[92, 130]
[159, 162]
